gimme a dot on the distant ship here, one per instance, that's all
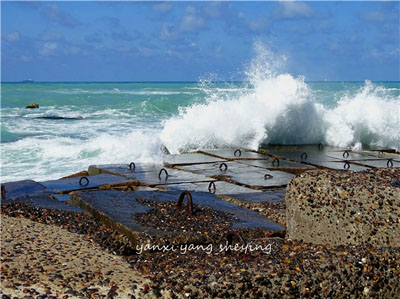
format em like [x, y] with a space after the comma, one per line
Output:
[28, 81]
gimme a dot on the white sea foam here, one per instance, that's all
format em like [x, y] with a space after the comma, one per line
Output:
[48, 157]
[282, 109]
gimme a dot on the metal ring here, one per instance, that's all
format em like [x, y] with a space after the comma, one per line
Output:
[320, 147]
[84, 178]
[129, 188]
[189, 199]
[381, 153]
[132, 166]
[346, 165]
[303, 156]
[166, 173]
[389, 163]
[346, 154]
[223, 164]
[237, 151]
[267, 176]
[214, 187]
[275, 162]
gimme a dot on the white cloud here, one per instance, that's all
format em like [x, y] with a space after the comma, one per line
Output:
[163, 7]
[48, 48]
[192, 23]
[293, 10]
[12, 36]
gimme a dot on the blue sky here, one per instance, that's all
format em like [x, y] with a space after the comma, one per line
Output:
[186, 41]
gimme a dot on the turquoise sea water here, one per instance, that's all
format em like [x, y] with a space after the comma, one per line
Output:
[79, 124]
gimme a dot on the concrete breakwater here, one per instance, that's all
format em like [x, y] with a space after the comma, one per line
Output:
[232, 182]
[239, 197]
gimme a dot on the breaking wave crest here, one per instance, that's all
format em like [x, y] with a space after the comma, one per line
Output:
[281, 109]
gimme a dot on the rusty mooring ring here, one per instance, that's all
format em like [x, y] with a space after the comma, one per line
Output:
[3, 192]
[275, 162]
[129, 188]
[346, 165]
[166, 173]
[346, 154]
[237, 151]
[189, 199]
[389, 162]
[214, 187]
[84, 178]
[132, 166]
[225, 166]
[320, 147]
[304, 156]
[267, 176]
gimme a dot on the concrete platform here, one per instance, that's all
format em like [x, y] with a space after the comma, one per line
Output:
[23, 188]
[234, 154]
[273, 164]
[72, 184]
[381, 163]
[151, 174]
[117, 209]
[226, 189]
[188, 159]
[242, 174]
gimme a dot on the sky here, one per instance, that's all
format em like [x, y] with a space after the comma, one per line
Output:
[191, 41]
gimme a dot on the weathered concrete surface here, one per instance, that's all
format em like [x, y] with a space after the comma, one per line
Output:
[23, 188]
[188, 159]
[226, 189]
[339, 208]
[229, 154]
[149, 174]
[72, 184]
[117, 210]
[242, 174]
[381, 163]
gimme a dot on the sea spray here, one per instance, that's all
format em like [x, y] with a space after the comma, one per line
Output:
[276, 108]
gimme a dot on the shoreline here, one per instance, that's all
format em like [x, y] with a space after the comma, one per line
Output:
[48, 252]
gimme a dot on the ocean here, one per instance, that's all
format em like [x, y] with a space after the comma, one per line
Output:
[79, 124]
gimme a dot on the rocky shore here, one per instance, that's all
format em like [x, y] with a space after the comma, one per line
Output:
[55, 254]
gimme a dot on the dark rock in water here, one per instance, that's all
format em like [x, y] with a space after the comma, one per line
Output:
[32, 106]
[56, 117]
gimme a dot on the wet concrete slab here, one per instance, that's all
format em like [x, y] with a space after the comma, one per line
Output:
[122, 169]
[274, 164]
[23, 188]
[381, 163]
[151, 174]
[341, 165]
[381, 155]
[348, 155]
[247, 218]
[188, 159]
[226, 189]
[118, 210]
[169, 176]
[242, 174]
[214, 169]
[262, 179]
[234, 154]
[80, 183]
